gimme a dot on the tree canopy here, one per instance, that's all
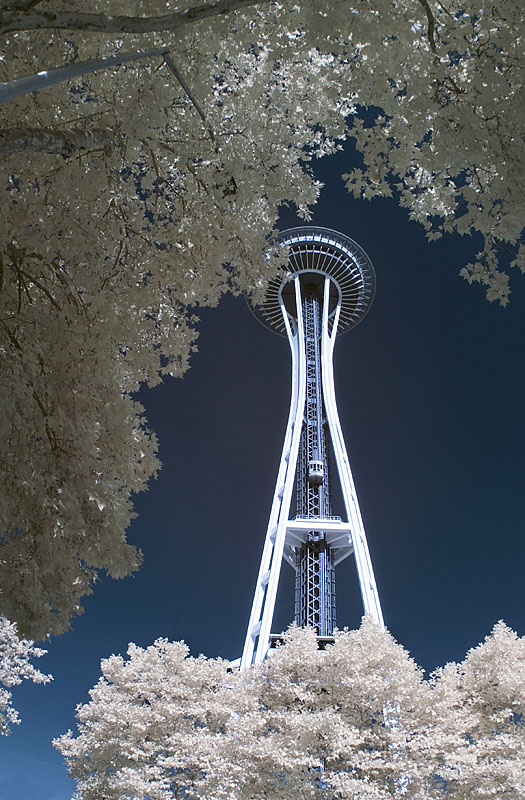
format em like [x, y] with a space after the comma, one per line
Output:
[356, 720]
[127, 207]
[15, 666]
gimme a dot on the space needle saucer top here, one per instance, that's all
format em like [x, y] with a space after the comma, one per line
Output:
[315, 253]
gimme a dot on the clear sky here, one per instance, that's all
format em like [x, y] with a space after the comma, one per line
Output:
[430, 394]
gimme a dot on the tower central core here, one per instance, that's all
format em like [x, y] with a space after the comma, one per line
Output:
[315, 573]
[325, 289]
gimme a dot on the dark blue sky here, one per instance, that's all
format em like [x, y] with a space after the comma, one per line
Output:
[430, 394]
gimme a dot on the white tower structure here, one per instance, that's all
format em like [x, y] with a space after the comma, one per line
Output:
[326, 289]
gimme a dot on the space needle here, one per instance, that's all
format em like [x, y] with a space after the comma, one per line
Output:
[324, 290]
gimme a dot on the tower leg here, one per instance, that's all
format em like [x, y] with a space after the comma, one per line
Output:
[258, 634]
[365, 571]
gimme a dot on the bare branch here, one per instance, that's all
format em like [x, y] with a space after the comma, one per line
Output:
[51, 140]
[174, 69]
[48, 77]
[16, 21]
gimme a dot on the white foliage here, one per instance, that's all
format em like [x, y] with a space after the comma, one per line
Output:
[354, 721]
[15, 666]
[149, 212]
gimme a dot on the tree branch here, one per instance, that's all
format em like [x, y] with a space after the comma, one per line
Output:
[41, 287]
[174, 69]
[22, 6]
[431, 25]
[50, 140]
[16, 21]
[11, 336]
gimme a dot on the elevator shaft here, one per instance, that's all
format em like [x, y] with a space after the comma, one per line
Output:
[315, 573]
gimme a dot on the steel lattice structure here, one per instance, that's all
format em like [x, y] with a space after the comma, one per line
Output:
[325, 289]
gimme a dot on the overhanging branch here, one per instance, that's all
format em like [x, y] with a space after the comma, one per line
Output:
[51, 140]
[76, 20]
[431, 24]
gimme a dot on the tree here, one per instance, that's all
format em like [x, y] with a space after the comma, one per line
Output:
[486, 692]
[15, 666]
[127, 208]
[356, 720]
